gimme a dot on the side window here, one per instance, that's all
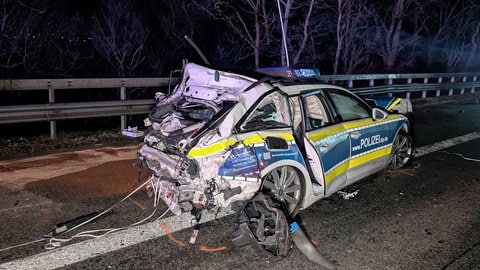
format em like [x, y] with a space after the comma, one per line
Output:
[348, 106]
[296, 112]
[271, 112]
[315, 114]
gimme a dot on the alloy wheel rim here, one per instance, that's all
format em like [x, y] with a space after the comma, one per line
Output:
[401, 152]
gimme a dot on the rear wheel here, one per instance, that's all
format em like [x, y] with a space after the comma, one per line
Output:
[402, 149]
[284, 186]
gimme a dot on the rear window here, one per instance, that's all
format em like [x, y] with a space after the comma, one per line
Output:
[271, 112]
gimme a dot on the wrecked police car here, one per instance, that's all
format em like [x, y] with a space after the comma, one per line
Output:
[222, 139]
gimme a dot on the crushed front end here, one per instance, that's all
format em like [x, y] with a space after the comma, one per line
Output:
[194, 114]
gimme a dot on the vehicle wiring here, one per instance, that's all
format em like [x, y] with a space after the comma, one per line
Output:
[55, 242]
[462, 156]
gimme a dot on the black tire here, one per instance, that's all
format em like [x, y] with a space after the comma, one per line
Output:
[402, 149]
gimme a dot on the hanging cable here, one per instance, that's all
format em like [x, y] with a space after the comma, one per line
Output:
[23, 244]
[466, 158]
[56, 242]
[107, 210]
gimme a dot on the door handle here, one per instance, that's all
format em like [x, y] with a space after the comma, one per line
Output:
[324, 147]
[355, 135]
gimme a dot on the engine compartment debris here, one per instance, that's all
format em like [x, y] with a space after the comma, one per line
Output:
[132, 132]
[177, 124]
[348, 195]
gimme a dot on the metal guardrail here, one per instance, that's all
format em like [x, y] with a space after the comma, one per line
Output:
[423, 88]
[409, 83]
[63, 111]
[363, 84]
[44, 84]
[53, 111]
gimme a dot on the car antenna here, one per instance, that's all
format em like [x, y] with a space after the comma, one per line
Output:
[283, 33]
[190, 41]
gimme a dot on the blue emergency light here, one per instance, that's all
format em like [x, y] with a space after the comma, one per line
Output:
[290, 73]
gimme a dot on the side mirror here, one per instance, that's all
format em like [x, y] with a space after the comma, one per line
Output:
[379, 114]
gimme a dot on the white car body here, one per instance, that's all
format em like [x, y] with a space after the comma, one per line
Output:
[221, 138]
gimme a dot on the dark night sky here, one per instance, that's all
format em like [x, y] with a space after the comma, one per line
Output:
[83, 5]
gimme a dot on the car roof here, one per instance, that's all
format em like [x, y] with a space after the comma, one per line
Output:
[293, 88]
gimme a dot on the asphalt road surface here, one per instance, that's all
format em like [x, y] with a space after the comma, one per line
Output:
[424, 216]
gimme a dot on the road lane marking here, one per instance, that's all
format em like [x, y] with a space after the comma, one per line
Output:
[87, 249]
[445, 144]
[91, 248]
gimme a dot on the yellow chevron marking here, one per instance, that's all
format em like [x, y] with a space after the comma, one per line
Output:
[397, 100]
[357, 161]
[336, 172]
[208, 150]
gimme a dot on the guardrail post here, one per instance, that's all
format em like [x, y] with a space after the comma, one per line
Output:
[409, 81]
[437, 94]
[462, 91]
[424, 92]
[123, 118]
[473, 88]
[450, 91]
[371, 82]
[350, 83]
[390, 82]
[53, 124]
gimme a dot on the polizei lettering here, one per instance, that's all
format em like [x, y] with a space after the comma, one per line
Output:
[370, 141]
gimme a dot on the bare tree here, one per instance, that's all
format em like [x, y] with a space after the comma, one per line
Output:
[230, 51]
[167, 44]
[460, 49]
[443, 16]
[353, 34]
[10, 16]
[250, 20]
[24, 36]
[119, 36]
[69, 48]
[270, 29]
[474, 43]
[302, 22]
[392, 38]
[70, 52]
[308, 27]
[454, 55]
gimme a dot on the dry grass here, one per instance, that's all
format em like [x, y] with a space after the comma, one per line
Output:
[22, 146]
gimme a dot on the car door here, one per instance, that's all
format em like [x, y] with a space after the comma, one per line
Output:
[264, 137]
[325, 141]
[370, 140]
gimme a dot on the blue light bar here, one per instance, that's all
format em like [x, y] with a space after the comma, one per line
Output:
[283, 72]
[304, 73]
[290, 73]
